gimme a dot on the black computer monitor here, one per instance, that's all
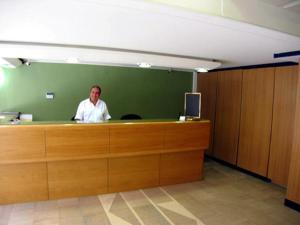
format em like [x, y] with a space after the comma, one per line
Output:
[192, 105]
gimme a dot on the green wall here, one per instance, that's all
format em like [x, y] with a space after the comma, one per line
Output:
[147, 92]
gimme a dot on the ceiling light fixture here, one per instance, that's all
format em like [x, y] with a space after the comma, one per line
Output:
[201, 70]
[144, 65]
[25, 61]
[72, 60]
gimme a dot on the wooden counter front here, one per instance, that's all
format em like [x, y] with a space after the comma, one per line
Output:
[76, 140]
[20, 143]
[136, 137]
[40, 162]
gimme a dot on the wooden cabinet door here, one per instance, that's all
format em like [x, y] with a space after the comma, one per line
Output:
[228, 108]
[283, 120]
[256, 120]
[207, 86]
[293, 187]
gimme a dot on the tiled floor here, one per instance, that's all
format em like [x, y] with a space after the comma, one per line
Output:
[225, 197]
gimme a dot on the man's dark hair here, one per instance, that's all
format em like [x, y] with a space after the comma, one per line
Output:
[96, 86]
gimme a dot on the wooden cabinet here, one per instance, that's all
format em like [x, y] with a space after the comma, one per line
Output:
[293, 188]
[252, 114]
[256, 120]
[207, 85]
[282, 126]
[228, 108]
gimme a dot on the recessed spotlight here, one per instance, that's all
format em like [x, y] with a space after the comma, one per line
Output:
[27, 63]
[144, 65]
[201, 70]
[72, 60]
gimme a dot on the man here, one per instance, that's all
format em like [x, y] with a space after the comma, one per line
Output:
[92, 109]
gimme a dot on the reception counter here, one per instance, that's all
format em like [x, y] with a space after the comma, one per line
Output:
[40, 161]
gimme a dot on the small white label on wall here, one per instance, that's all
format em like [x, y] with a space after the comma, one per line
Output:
[49, 95]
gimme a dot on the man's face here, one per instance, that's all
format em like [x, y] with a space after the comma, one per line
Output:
[94, 94]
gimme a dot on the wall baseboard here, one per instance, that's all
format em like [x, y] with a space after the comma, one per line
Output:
[292, 205]
[239, 169]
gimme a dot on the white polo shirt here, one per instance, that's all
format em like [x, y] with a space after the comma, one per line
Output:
[88, 112]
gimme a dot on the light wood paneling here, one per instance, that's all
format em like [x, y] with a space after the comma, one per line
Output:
[136, 138]
[293, 188]
[77, 140]
[26, 142]
[228, 110]
[77, 178]
[256, 120]
[23, 182]
[74, 160]
[181, 167]
[133, 172]
[187, 136]
[207, 85]
[283, 122]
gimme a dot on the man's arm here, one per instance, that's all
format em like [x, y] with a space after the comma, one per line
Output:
[106, 114]
[79, 113]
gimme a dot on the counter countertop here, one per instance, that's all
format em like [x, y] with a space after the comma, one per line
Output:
[143, 121]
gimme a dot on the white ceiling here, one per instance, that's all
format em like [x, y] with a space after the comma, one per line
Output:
[56, 30]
